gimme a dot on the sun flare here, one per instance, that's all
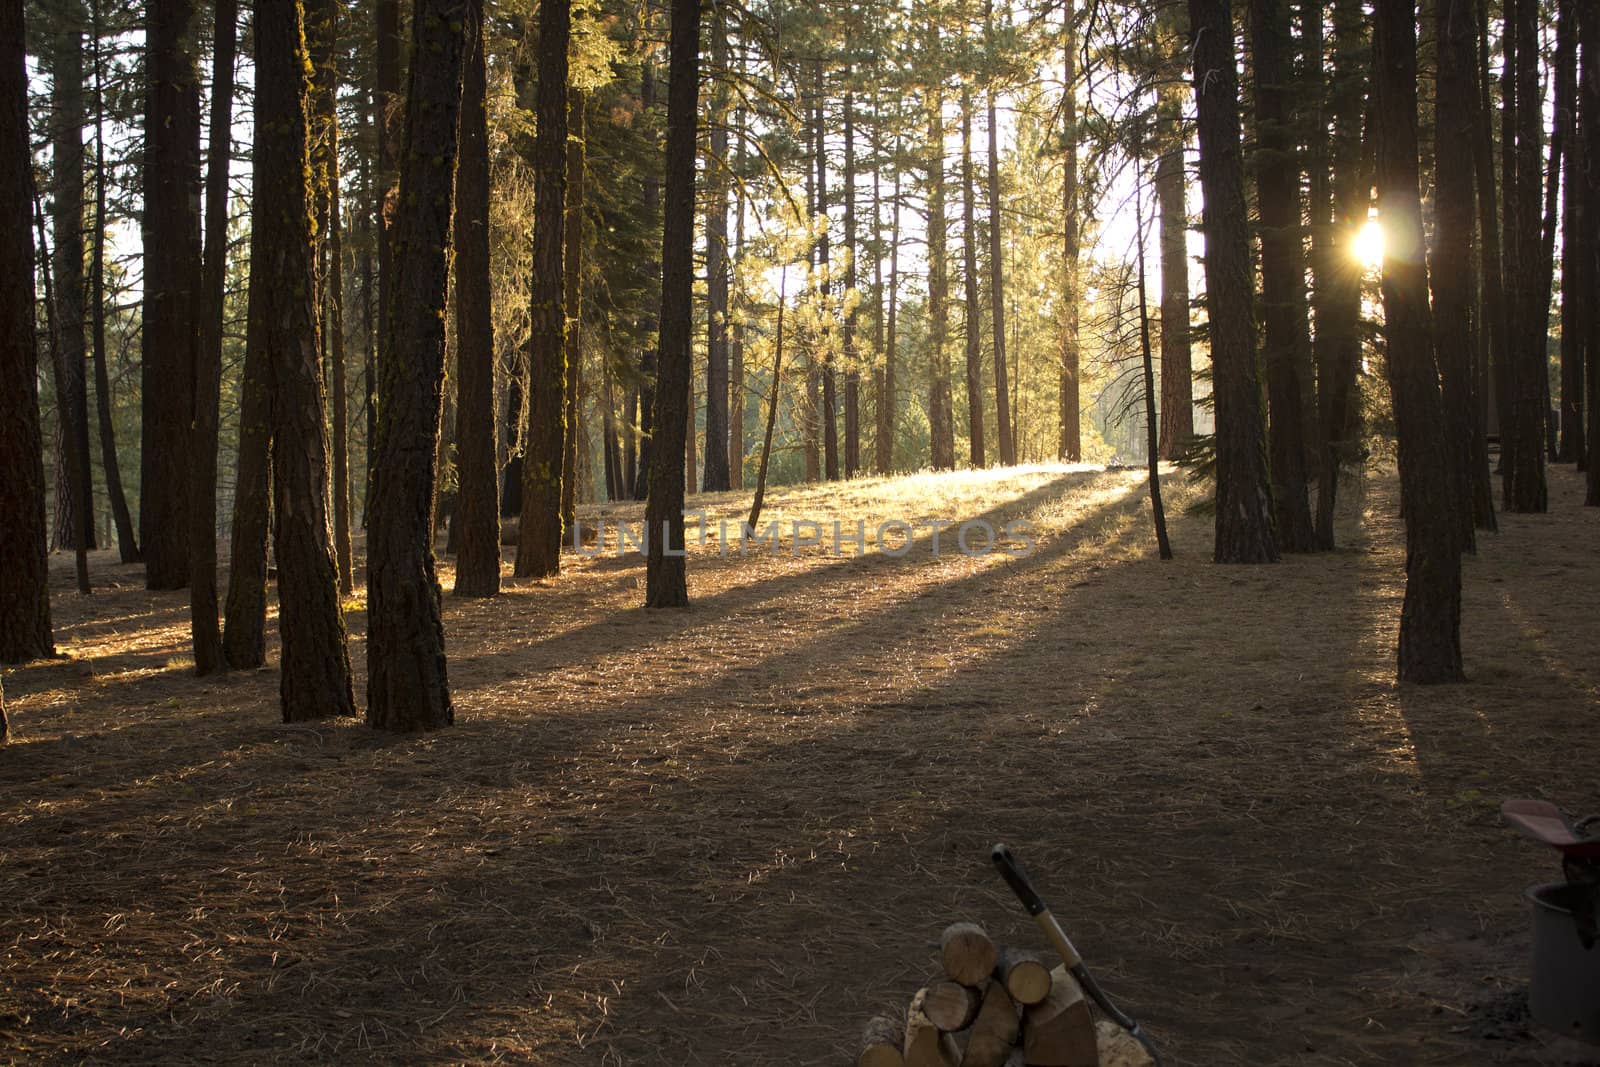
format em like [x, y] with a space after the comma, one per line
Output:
[1369, 245]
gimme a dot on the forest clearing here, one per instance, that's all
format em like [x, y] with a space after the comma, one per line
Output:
[730, 834]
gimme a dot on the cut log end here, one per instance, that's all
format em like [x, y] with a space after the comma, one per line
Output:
[881, 1042]
[1024, 974]
[926, 1045]
[951, 1006]
[967, 953]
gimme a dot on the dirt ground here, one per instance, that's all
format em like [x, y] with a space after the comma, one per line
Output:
[729, 834]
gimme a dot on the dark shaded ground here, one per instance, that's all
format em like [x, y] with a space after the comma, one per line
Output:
[728, 834]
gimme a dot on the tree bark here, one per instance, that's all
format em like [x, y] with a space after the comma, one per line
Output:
[203, 625]
[852, 371]
[1286, 334]
[1430, 620]
[737, 400]
[66, 224]
[1492, 321]
[997, 297]
[127, 542]
[315, 677]
[1454, 224]
[1244, 500]
[715, 477]
[886, 420]
[24, 580]
[1337, 294]
[169, 334]
[830, 387]
[972, 317]
[651, 202]
[408, 688]
[666, 585]
[478, 553]
[572, 302]
[941, 417]
[1525, 488]
[544, 448]
[388, 104]
[1573, 446]
[1177, 369]
[1071, 446]
[1589, 125]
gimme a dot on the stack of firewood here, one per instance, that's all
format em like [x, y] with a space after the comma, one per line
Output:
[996, 1007]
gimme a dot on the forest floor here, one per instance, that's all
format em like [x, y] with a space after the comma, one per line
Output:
[728, 834]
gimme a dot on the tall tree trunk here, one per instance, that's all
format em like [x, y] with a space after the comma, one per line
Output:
[1177, 370]
[1493, 323]
[666, 584]
[25, 579]
[544, 450]
[1454, 223]
[67, 526]
[244, 632]
[572, 300]
[608, 415]
[646, 396]
[830, 398]
[1338, 268]
[973, 317]
[1430, 620]
[1244, 499]
[1574, 277]
[407, 687]
[66, 223]
[1564, 77]
[941, 416]
[1071, 447]
[1589, 125]
[715, 478]
[315, 676]
[852, 370]
[737, 401]
[127, 542]
[207, 634]
[1158, 511]
[886, 423]
[1524, 465]
[388, 103]
[478, 553]
[997, 297]
[169, 335]
[1287, 337]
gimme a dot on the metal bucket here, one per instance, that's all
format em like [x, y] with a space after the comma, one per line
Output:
[1565, 992]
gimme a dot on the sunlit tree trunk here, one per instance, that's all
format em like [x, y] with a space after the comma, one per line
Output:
[572, 301]
[407, 687]
[315, 681]
[852, 371]
[941, 416]
[972, 317]
[1071, 447]
[1177, 370]
[715, 478]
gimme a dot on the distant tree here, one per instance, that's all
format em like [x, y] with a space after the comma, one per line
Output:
[1430, 620]
[544, 446]
[941, 414]
[1244, 499]
[172, 257]
[572, 304]
[315, 675]
[716, 476]
[666, 584]
[24, 579]
[477, 514]
[205, 632]
[997, 290]
[407, 687]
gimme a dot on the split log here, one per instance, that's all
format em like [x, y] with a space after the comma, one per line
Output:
[1059, 1031]
[994, 1032]
[1024, 974]
[967, 953]
[1118, 1048]
[881, 1041]
[951, 1006]
[927, 1045]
